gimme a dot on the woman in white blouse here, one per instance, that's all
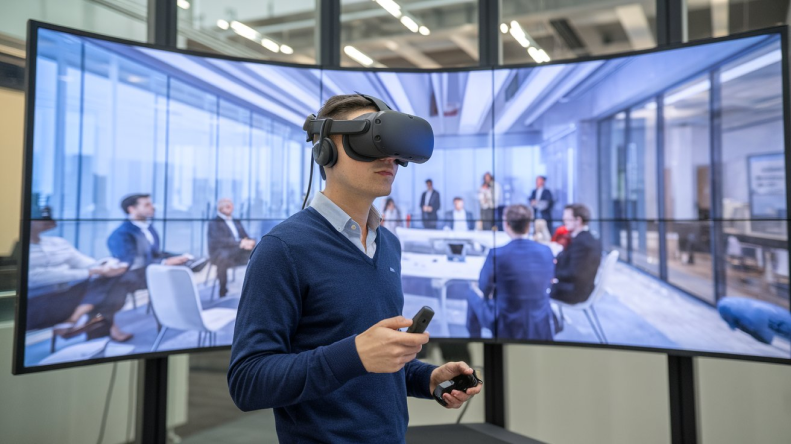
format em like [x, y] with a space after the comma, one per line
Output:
[53, 260]
[489, 197]
[391, 216]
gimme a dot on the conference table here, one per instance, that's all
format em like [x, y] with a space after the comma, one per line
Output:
[440, 268]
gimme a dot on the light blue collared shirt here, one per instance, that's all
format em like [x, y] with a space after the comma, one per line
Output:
[346, 225]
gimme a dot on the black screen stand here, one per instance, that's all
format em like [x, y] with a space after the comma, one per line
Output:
[152, 401]
[683, 418]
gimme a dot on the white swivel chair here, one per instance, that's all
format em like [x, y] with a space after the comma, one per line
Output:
[600, 282]
[177, 305]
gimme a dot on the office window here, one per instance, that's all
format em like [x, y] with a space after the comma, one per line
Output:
[642, 187]
[536, 31]
[409, 33]
[687, 187]
[612, 151]
[283, 31]
[125, 19]
[721, 18]
[753, 161]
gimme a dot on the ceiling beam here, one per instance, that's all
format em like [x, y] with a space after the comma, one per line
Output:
[635, 23]
[412, 54]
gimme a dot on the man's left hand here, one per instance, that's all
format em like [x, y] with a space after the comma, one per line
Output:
[447, 372]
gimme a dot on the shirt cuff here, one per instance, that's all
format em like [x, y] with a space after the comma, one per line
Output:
[343, 359]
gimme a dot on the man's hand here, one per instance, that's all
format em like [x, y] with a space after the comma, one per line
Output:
[177, 260]
[447, 372]
[384, 349]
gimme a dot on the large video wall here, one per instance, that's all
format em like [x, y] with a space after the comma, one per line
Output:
[679, 155]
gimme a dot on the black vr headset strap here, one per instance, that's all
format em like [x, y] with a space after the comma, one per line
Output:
[380, 105]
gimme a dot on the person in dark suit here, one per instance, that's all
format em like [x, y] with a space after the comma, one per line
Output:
[516, 304]
[541, 200]
[136, 243]
[577, 265]
[429, 205]
[458, 219]
[229, 244]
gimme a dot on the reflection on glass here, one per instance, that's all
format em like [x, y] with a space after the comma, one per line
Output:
[689, 263]
[564, 30]
[283, 32]
[409, 34]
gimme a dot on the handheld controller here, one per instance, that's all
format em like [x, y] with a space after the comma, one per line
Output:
[461, 382]
[421, 320]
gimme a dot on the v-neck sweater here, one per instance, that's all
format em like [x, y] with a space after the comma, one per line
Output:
[307, 293]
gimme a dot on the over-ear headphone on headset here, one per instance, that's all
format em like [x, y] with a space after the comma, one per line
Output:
[325, 153]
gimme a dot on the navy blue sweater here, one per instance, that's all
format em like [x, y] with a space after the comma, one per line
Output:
[307, 293]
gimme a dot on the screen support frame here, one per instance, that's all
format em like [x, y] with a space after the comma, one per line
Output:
[671, 30]
[152, 393]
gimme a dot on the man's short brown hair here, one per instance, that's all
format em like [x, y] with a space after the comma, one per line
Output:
[518, 217]
[581, 211]
[339, 107]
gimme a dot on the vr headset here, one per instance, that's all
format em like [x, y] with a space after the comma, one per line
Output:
[372, 136]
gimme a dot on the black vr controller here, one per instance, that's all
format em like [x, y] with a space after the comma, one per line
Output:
[461, 382]
[372, 136]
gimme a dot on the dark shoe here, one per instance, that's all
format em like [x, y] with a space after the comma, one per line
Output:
[223, 292]
[70, 332]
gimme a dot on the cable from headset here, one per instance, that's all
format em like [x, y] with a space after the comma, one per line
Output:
[325, 128]
[310, 181]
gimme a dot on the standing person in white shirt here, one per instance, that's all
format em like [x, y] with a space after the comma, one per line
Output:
[53, 260]
[489, 197]
[229, 244]
[459, 219]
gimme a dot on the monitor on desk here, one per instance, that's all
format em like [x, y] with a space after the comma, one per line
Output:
[457, 252]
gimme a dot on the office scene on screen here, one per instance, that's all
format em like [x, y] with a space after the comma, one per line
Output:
[575, 203]
[692, 251]
[154, 175]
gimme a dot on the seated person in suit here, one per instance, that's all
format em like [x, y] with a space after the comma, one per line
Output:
[229, 244]
[136, 243]
[577, 265]
[53, 261]
[515, 305]
[458, 219]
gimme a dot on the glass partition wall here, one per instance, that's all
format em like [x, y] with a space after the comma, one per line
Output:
[697, 172]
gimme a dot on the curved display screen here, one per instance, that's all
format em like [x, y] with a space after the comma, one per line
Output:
[151, 174]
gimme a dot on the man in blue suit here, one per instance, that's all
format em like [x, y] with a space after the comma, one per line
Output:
[136, 242]
[516, 305]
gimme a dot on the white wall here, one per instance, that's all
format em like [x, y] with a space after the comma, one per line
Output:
[66, 406]
[573, 395]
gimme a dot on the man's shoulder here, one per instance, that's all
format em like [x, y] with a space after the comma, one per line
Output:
[125, 227]
[298, 227]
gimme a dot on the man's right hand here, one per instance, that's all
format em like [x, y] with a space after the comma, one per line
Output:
[384, 349]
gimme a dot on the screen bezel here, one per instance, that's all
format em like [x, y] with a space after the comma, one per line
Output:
[34, 26]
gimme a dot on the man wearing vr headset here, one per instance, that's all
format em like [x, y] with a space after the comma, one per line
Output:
[317, 334]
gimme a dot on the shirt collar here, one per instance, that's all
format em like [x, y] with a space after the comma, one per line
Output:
[224, 217]
[142, 224]
[337, 217]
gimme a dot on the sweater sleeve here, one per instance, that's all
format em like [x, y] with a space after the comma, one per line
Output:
[264, 372]
[418, 378]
